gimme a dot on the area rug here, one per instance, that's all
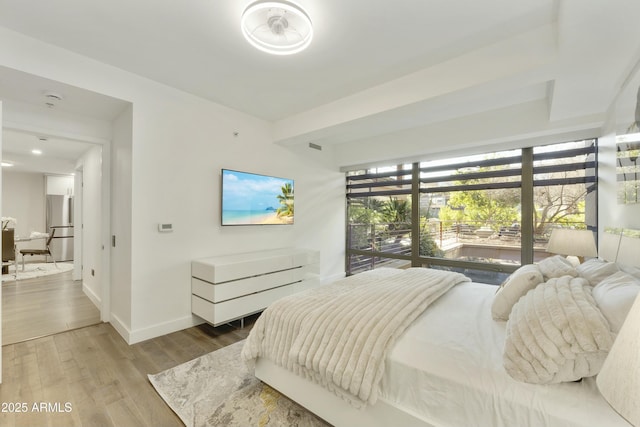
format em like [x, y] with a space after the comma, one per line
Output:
[33, 270]
[217, 389]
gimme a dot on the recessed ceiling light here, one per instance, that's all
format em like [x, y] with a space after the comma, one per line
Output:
[6, 164]
[36, 151]
[277, 27]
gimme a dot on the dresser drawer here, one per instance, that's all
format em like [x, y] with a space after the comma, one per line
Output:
[237, 288]
[222, 312]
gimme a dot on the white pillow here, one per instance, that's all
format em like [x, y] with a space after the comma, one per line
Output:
[556, 333]
[519, 283]
[556, 266]
[595, 270]
[633, 271]
[614, 297]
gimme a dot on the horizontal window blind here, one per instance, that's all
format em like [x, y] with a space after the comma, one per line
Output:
[379, 182]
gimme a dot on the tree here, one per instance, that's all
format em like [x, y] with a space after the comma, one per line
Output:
[558, 204]
[491, 208]
[286, 201]
[364, 210]
[397, 211]
[364, 213]
[428, 245]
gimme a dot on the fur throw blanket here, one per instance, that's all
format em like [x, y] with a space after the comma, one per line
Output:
[556, 333]
[339, 335]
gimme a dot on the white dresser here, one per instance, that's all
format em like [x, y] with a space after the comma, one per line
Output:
[229, 287]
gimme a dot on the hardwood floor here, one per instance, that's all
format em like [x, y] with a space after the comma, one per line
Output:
[91, 377]
[43, 306]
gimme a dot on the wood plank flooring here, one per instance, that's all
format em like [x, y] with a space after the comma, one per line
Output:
[43, 306]
[91, 377]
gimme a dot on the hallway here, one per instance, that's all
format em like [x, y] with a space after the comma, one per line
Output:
[42, 306]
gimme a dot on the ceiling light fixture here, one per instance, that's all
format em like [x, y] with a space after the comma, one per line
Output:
[277, 27]
[6, 164]
[36, 151]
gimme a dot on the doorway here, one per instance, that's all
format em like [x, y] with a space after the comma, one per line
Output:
[60, 297]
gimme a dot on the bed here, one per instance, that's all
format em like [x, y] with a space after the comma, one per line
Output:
[447, 367]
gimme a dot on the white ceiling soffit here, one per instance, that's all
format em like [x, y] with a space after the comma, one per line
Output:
[373, 67]
[29, 89]
[58, 155]
[63, 130]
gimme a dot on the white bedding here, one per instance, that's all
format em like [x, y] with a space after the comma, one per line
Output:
[447, 368]
[338, 335]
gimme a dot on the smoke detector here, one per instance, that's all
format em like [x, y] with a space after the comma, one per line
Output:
[53, 96]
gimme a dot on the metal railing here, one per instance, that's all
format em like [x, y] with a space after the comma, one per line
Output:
[371, 246]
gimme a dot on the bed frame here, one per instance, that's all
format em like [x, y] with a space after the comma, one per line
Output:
[330, 407]
[615, 245]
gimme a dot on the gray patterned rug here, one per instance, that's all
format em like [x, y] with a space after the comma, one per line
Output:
[217, 389]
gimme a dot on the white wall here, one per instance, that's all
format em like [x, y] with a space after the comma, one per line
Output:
[91, 227]
[171, 164]
[23, 199]
[176, 179]
[119, 295]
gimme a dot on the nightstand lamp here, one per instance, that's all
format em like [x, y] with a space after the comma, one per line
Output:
[570, 242]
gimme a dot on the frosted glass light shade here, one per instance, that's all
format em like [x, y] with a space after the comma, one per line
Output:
[566, 241]
[619, 378]
[277, 27]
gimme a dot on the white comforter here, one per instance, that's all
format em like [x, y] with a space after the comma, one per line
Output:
[339, 335]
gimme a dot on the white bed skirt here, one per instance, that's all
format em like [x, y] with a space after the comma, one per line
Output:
[330, 407]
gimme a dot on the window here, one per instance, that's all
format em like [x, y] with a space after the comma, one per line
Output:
[380, 216]
[483, 215]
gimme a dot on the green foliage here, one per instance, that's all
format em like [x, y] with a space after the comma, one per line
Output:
[365, 211]
[286, 201]
[428, 246]
[396, 211]
[491, 208]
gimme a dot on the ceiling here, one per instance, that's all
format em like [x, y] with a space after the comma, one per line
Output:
[374, 66]
[31, 94]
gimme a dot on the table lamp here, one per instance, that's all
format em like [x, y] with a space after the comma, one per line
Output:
[570, 242]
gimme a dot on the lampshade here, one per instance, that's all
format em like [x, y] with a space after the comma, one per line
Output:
[277, 27]
[619, 378]
[566, 241]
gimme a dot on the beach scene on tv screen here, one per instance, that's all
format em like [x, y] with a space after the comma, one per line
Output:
[249, 198]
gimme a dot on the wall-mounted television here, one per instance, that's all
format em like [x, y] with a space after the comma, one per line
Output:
[253, 199]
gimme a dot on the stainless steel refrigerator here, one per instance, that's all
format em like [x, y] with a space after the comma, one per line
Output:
[60, 219]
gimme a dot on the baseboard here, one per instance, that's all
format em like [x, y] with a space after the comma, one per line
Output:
[95, 299]
[333, 278]
[120, 327]
[162, 329]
